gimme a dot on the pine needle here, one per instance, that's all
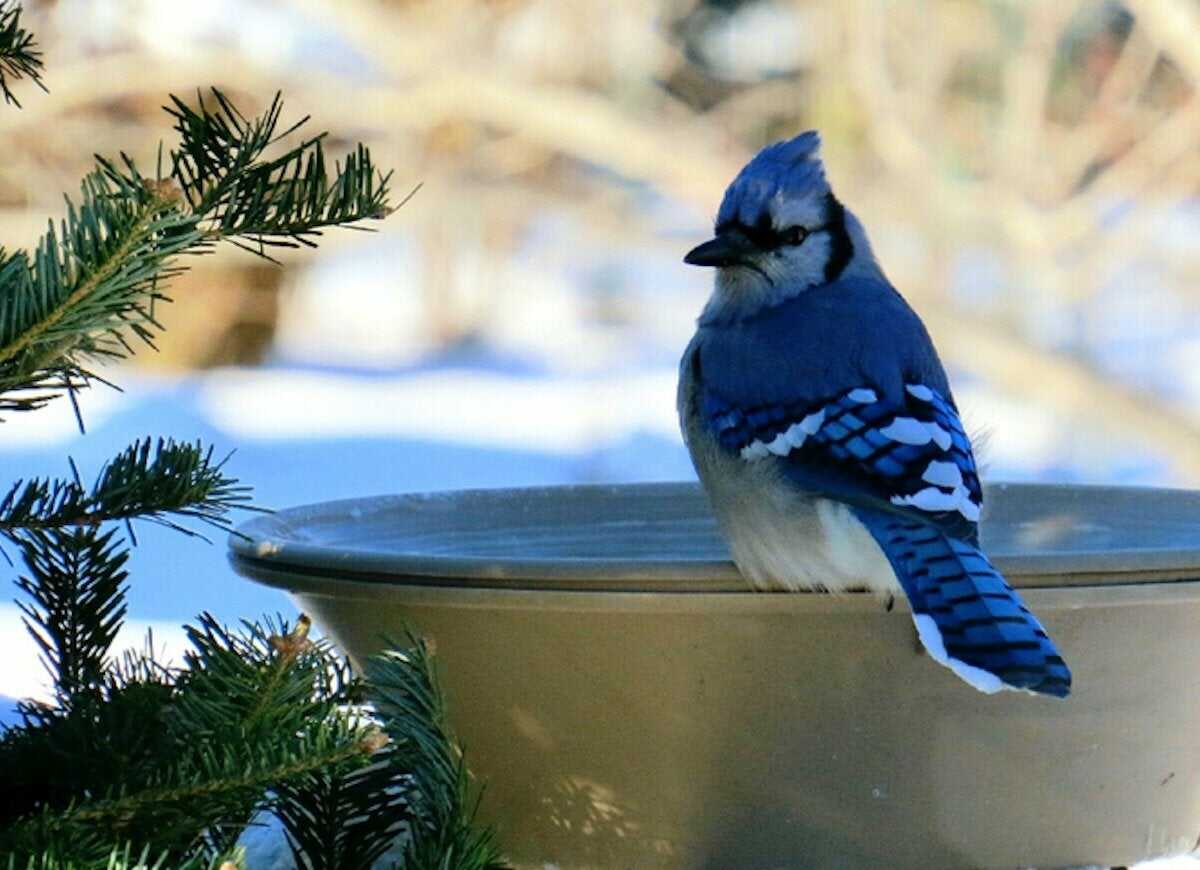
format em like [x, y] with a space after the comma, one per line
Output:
[19, 56]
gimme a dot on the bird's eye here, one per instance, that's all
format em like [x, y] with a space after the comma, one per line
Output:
[793, 235]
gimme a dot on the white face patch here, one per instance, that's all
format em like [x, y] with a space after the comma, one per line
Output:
[863, 396]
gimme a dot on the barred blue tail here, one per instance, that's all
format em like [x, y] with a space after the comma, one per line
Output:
[966, 614]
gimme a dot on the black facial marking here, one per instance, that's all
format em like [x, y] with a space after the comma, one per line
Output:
[841, 248]
[764, 235]
[761, 232]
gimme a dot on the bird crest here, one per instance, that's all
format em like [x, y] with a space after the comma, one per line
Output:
[789, 170]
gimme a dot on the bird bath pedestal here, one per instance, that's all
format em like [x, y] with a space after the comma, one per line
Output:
[630, 704]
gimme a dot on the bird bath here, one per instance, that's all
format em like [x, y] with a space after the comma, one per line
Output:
[630, 704]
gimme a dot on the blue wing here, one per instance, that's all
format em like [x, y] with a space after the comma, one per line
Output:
[907, 469]
[908, 456]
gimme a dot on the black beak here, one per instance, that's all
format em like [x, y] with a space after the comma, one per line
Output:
[729, 248]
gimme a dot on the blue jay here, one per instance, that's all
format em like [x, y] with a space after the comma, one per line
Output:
[823, 429]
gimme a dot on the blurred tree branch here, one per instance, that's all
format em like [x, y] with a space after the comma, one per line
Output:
[1011, 126]
[19, 55]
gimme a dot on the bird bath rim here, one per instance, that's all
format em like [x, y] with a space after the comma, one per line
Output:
[660, 537]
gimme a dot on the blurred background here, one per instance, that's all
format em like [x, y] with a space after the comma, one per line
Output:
[1028, 173]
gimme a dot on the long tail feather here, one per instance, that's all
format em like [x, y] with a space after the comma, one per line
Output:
[967, 616]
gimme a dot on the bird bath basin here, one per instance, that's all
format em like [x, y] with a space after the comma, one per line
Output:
[630, 704]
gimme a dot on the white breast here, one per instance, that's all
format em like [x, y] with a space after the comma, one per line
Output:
[780, 539]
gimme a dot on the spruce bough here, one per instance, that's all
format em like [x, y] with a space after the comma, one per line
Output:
[134, 762]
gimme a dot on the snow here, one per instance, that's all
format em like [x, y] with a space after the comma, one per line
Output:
[303, 435]
[556, 415]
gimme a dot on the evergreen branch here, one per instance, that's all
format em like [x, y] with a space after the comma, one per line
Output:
[19, 56]
[76, 587]
[217, 147]
[187, 803]
[193, 752]
[136, 752]
[255, 687]
[218, 775]
[265, 679]
[100, 241]
[173, 479]
[117, 731]
[125, 858]
[94, 281]
[60, 757]
[274, 679]
[404, 691]
[152, 481]
[282, 201]
[39, 389]
[91, 281]
[343, 819]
